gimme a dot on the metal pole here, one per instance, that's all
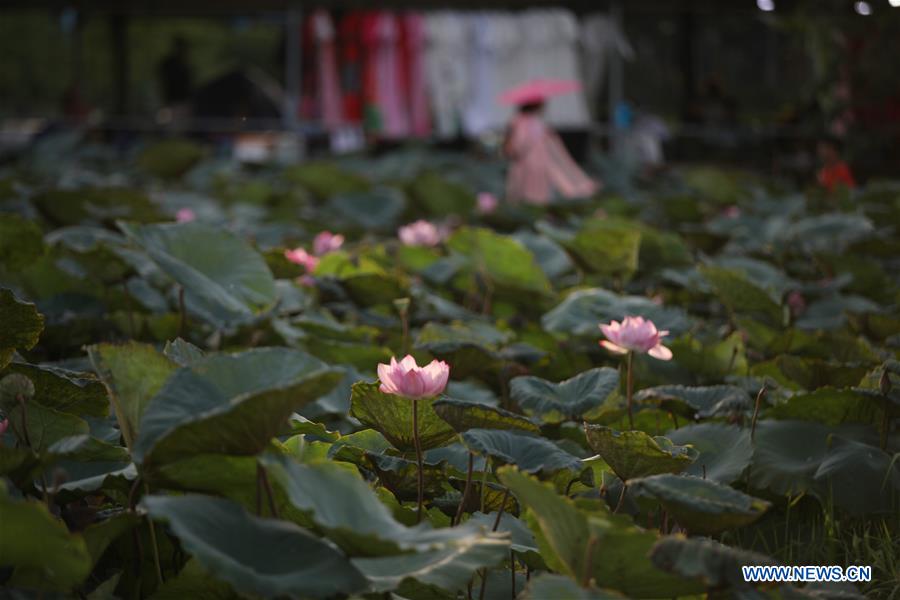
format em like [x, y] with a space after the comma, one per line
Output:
[292, 73]
[616, 79]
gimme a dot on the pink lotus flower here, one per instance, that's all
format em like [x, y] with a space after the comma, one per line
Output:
[299, 256]
[185, 215]
[487, 203]
[407, 379]
[731, 212]
[635, 334]
[797, 303]
[326, 242]
[420, 233]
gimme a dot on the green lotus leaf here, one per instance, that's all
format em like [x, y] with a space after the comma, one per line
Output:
[439, 196]
[530, 453]
[258, 556]
[609, 247]
[786, 455]
[77, 206]
[346, 509]
[725, 450]
[702, 402]
[547, 585]
[700, 505]
[463, 415]
[440, 573]
[831, 406]
[471, 348]
[636, 454]
[45, 426]
[45, 554]
[229, 403]
[522, 541]
[133, 373]
[326, 179]
[21, 242]
[370, 289]
[859, 478]
[563, 531]
[715, 564]
[550, 256]
[373, 210]
[171, 158]
[829, 233]
[193, 581]
[583, 310]
[182, 352]
[226, 282]
[68, 391]
[392, 417]
[741, 296]
[505, 262]
[21, 325]
[566, 400]
[233, 477]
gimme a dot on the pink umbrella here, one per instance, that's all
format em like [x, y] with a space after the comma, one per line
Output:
[538, 90]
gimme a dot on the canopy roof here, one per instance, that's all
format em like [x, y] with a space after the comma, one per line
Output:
[233, 7]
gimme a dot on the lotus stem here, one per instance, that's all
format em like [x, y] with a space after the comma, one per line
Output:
[465, 495]
[512, 574]
[484, 483]
[156, 561]
[629, 388]
[621, 497]
[759, 399]
[263, 478]
[588, 561]
[420, 479]
[502, 507]
[182, 323]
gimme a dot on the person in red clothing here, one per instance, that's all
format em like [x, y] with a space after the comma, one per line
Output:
[835, 172]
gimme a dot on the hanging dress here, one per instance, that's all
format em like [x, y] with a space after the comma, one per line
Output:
[446, 58]
[386, 110]
[414, 75]
[494, 66]
[540, 167]
[321, 100]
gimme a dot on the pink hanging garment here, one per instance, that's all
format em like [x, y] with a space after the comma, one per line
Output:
[386, 100]
[540, 166]
[414, 41]
[321, 99]
[329, 93]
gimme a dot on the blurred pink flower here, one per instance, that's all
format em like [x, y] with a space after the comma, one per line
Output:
[487, 203]
[185, 215]
[299, 256]
[732, 212]
[420, 233]
[797, 303]
[326, 242]
[407, 379]
[635, 334]
[3, 425]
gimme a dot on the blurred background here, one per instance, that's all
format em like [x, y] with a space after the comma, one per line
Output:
[755, 83]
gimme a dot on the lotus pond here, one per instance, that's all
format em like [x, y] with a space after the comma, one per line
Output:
[191, 405]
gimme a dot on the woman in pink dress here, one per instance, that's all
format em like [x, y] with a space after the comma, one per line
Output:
[541, 168]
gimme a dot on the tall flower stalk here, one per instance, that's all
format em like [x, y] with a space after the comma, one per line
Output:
[415, 383]
[634, 335]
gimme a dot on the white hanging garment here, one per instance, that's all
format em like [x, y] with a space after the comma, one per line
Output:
[447, 66]
[493, 57]
[600, 36]
[550, 51]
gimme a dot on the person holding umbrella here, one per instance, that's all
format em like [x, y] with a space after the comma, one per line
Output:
[541, 169]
